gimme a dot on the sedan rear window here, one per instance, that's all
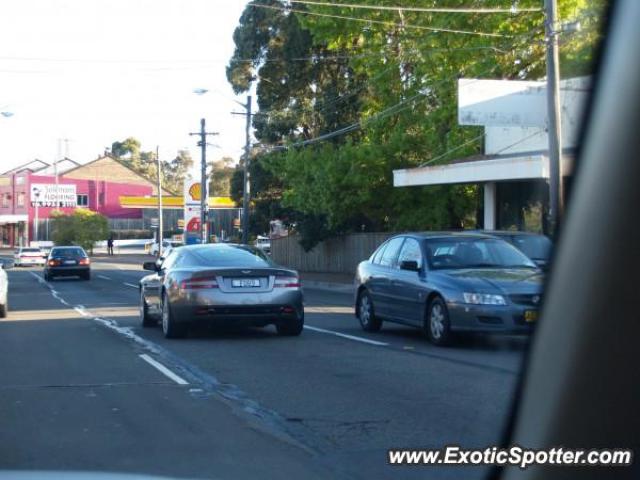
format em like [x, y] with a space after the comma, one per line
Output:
[31, 250]
[230, 256]
[68, 252]
[536, 247]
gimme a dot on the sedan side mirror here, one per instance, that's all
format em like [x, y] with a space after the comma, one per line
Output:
[410, 265]
[151, 266]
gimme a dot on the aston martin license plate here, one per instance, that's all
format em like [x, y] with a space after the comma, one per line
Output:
[245, 282]
[530, 316]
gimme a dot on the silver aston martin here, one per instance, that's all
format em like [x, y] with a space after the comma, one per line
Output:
[222, 284]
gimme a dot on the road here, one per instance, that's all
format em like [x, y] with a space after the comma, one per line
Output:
[84, 387]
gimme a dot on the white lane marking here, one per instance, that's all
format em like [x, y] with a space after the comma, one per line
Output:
[348, 337]
[80, 309]
[54, 292]
[104, 277]
[164, 370]
[130, 285]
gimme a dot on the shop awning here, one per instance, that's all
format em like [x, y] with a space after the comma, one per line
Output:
[4, 219]
[496, 169]
[172, 202]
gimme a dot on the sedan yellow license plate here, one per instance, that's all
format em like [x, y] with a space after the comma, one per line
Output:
[530, 316]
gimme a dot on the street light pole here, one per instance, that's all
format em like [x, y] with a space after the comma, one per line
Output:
[36, 194]
[556, 194]
[247, 175]
[159, 187]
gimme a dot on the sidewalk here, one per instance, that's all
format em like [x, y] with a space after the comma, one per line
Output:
[332, 282]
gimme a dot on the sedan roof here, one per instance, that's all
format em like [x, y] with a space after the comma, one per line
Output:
[448, 234]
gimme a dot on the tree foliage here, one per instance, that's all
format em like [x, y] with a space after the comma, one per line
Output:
[82, 227]
[396, 85]
[145, 163]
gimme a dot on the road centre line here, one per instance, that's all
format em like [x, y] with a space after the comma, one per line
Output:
[164, 370]
[104, 277]
[130, 285]
[348, 337]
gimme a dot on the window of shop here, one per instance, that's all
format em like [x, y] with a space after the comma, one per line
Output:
[523, 206]
[5, 200]
[83, 200]
[20, 200]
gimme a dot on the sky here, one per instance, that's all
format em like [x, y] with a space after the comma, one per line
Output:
[98, 71]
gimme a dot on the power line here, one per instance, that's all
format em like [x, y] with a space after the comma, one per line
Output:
[381, 22]
[513, 10]
[455, 149]
[379, 116]
[349, 94]
[475, 139]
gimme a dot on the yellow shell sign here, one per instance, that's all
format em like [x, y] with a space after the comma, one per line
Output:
[194, 191]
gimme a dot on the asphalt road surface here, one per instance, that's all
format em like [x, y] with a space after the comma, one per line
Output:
[83, 387]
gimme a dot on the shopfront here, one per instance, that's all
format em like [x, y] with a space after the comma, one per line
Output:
[13, 230]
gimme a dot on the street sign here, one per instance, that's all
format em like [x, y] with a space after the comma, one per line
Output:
[154, 222]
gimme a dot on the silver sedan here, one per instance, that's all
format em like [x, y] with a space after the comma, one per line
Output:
[220, 284]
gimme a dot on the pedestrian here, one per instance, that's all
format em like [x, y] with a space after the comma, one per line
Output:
[110, 245]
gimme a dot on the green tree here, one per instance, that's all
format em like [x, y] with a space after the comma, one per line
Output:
[222, 171]
[146, 164]
[396, 84]
[82, 227]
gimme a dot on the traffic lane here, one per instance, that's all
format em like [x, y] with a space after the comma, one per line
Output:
[45, 342]
[352, 401]
[74, 396]
[151, 429]
[349, 400]
[331, 313]
[496, 351]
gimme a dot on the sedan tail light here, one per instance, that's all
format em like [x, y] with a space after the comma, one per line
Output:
[287, 282]
[54, 263]
[198, 283]
[84, 261]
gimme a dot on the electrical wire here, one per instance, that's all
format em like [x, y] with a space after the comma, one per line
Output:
[455, 149]
[348, 94]
[513, 10]
[381, 22]
[479, 137]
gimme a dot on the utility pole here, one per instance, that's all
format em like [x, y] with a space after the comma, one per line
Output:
[160, 226]
[556, 192]
[204, 196]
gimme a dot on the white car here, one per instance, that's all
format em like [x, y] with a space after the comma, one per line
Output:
[167, 245]
[263, 243]
[4, 288]
[25, 256]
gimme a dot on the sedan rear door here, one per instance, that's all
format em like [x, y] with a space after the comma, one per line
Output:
[379, 281]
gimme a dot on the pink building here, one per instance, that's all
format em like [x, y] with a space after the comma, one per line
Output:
[26, 194]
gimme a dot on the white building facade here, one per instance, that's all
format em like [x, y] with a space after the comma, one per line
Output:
[514, 171]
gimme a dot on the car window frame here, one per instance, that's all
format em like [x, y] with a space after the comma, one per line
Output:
[419, 244]
[173, 256]
[394, 263]
[379, 251]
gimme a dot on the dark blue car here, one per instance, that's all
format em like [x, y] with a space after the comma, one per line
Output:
[449, 282]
